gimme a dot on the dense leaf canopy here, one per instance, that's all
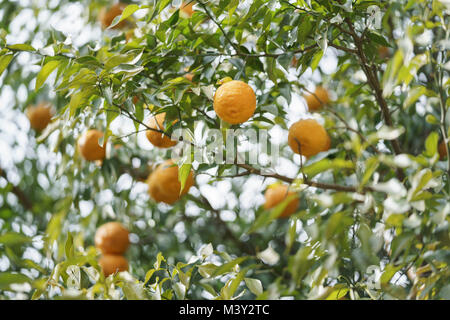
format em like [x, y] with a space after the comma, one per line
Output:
[373, 214]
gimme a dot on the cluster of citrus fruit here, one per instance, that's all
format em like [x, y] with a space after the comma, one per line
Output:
[112, 239]
[234, 102]
[306, 137]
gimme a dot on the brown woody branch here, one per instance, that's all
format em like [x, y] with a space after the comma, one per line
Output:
[320, 185]
[374, 83]
[23, 199]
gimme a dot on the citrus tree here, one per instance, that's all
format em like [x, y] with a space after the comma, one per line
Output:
[224, 149]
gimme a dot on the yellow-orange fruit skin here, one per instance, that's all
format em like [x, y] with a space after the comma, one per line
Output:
[163, 184]
[39, 116]
[112, 238]
[442, 150]
[234, 102]
[111, 263]
[186, 8]
[276, 195]
[189, 76]
[106, 16]
[307, 137]
[316, 100]
[158, 139]
[89, 147]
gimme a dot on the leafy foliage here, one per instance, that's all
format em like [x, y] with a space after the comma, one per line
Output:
[378, 200]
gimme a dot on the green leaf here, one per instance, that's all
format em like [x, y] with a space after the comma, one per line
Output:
[159, 259]
[316, 59]
[46, 70]
[338, 292]
[131, 57]
[80, 99]
[389, 271]
[180, 290]
[14, 238]
[229, 290]
[254, 285]
[390, 75]
[88, 60]
[134, 291]
[378, 38]
[4, 62]
[8, 278]
[326, 164]
[128, 11]
[228, 266]
[207, 270]
[148, 275]
[21, 47]
[68, 248]
[400, 243]
[183, 174]
[413, 95]
[370, 166]
[431, 144]
[431, 119]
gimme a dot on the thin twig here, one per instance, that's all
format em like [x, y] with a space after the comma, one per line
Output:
[23, 198]
[320, 185]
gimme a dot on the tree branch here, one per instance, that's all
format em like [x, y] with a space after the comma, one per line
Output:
[320, 185]
[376, 87]
[23, 198]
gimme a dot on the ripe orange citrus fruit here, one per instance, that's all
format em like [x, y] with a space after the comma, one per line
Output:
[112, 238]
[186, 8]
[106, 16]
[111, 263]
[276, 194]
[163, 183]
[234, 102]
[89, 147]
[307, 137]
[189, 76]
[39, 115]
[442, 150]
[158, 139]
[316, 100]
